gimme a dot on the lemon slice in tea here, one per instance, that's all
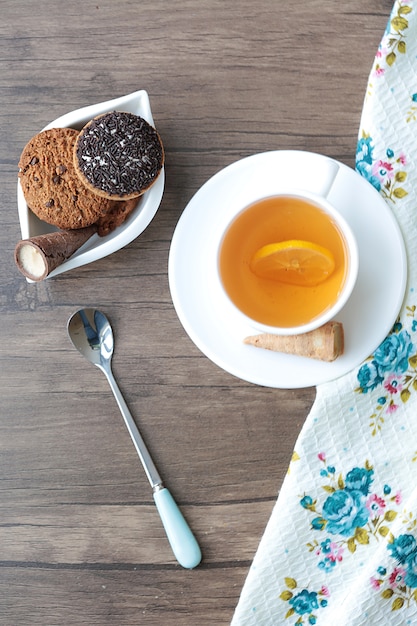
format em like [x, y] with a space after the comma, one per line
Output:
[294, 261]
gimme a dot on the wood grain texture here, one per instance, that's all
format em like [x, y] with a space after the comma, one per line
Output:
[80, 539]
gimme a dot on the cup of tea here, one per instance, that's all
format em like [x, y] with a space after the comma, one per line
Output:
[287, 263]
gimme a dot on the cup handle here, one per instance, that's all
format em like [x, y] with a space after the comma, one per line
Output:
[333, 170]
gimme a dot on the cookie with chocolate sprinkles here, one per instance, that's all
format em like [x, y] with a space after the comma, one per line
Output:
[50, 185]
[118, 155]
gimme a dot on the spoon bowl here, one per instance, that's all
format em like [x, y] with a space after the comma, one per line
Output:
[91, 333]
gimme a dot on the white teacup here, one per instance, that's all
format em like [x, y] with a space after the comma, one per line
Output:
[268, 304]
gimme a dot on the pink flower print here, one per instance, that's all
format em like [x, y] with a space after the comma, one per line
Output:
[398, 497]
[324, 591]
[402, 159]
[383, 170]
[383, 50]
[378, 71]
[322, 456]
[375, 505]
[375, 582]
[391, 408]
[392, 384]
[336, 552]
[396, 577]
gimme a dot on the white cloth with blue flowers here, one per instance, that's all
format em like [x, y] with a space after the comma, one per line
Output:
[341, 545]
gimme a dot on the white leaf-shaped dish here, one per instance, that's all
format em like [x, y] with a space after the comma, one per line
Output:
[98, 247]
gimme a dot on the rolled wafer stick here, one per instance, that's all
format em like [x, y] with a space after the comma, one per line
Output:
[38, 256]
[325, 343]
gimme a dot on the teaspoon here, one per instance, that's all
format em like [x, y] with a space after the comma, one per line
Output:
[91, 333]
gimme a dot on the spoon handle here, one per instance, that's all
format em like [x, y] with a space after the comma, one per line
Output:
[180, 536]
[143, 452]
[182, 541]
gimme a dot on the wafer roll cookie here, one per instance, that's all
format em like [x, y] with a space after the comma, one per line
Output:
[325, 343]
[38, 256]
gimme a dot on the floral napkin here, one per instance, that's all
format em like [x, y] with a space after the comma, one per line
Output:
[341, 544]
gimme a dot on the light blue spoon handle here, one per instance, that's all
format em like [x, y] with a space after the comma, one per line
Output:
[182, 540]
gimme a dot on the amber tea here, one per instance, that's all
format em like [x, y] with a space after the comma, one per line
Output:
[294, 226]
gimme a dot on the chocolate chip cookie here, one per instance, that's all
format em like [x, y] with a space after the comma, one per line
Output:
[116, 216]
[52, 189]
[118, 155]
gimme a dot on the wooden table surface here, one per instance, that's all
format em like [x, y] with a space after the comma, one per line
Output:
[80, 539]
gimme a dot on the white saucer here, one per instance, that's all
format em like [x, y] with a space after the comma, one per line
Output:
[98, 247]
[211, 321]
